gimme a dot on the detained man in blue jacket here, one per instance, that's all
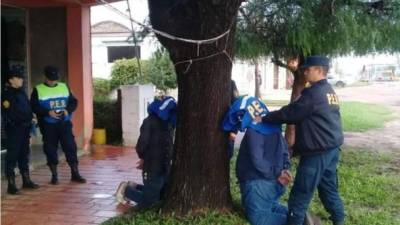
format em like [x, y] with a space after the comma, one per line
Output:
[262, 165]
[154, 148]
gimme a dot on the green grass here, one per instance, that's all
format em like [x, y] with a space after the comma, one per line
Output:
[369, 186]
[357, 116]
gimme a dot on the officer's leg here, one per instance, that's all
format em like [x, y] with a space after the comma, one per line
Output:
[23, 160]
[328, 191]
[13, 146]
[306, 181]
[70, 149]
[50, 135]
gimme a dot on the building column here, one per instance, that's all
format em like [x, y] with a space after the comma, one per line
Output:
[80, 72]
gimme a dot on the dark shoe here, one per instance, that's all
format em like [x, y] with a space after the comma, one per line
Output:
[54, 175]
[27, 182]
[12, 188]
[75, 176]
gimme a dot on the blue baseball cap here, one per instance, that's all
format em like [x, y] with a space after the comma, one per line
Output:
[51, 73]
[315, 60]
[16, 71]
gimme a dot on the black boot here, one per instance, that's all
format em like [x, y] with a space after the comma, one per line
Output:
[27, 182]
[54, 175]
[12, 188]
[75, 176]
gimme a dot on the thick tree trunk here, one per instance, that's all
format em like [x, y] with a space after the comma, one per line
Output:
[200, 170]
[257, 80]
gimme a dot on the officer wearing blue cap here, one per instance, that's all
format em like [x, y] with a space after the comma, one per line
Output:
[17, 115]
[318, 138]
[54, 104]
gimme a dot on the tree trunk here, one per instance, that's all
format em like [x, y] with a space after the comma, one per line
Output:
[298, 85]
[257, 80]
[199, 177]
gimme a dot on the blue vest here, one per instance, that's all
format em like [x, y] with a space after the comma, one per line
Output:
[241, 114]
[53, 98]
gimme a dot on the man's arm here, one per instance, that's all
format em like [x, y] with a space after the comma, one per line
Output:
[72, 103]
[292, 113]
[144, 138]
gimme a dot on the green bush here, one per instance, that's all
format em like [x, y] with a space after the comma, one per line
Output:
[101, 87]
[158, 70]
[162, 71]
[126, 71]
[107, 115]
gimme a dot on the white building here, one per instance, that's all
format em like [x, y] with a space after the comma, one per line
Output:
[111, 41]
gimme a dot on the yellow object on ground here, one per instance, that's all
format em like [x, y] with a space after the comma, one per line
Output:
[99, 136]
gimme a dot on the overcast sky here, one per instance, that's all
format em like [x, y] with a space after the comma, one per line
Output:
[139, 12]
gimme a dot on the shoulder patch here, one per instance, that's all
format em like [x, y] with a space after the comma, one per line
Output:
[6, 104]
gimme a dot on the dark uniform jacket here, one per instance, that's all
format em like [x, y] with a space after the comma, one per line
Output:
[317, 118]
[155, 145]
[16, 110]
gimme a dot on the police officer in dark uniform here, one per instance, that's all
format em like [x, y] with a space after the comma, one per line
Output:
[318, 138]
[53, 103]
[17, 115]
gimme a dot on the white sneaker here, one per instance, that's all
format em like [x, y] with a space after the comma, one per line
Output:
[132, 184]
[119, 194]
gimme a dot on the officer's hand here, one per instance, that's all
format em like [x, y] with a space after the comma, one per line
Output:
[232, 136]
[55, 115]
[139, 164]
[257, 119]
[285, 178]
[65, 112]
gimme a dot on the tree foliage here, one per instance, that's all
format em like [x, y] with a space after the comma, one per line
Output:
[162, 71]
[101, 88]
[287, 28]
[126, 71]
[158, 70]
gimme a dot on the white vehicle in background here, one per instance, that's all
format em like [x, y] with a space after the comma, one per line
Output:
[341, 80]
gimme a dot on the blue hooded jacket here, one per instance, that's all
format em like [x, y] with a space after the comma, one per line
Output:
[241, 114]
[164, 109]
[261, 156]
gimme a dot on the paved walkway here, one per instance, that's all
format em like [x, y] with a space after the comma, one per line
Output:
[70, 203]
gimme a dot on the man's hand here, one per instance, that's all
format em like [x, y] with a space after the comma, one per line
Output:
[232, 136]
[285, 178]
[139, 164]
[257, 119]
[65, 112]
[55, 115]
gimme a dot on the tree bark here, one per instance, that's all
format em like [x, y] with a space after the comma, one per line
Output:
[299, 84]
[199, 177]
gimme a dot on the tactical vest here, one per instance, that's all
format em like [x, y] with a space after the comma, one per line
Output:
[53, 98]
